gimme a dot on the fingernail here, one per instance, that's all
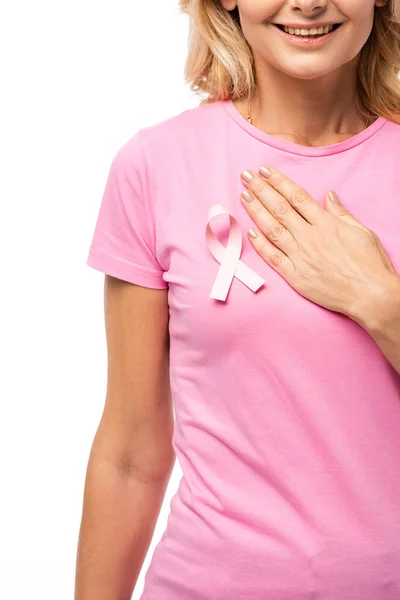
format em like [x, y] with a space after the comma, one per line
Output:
[247, 196]
[265, 171]
[247, 176]
[332, 197]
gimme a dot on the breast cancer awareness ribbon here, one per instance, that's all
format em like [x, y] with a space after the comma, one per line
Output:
[228, 257]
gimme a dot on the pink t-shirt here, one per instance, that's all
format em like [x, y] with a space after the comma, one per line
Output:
[287, 414]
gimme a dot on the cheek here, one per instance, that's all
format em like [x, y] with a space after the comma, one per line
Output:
[360, 18]
[258, 12]
[359, 31]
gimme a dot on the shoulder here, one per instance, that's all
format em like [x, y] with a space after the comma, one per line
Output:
[391, 131]
[185, 122]
[187, 129]
[386, 144]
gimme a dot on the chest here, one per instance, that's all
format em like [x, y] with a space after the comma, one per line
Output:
[275, 309]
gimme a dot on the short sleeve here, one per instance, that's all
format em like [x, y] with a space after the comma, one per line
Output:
[124, 234]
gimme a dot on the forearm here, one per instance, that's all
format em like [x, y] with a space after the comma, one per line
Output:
[120, 511]
[388, 341]
[382, 321]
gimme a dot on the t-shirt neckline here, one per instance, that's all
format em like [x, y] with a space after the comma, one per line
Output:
[293, 148]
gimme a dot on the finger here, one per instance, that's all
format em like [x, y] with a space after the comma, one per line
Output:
[338, 210]
[274, 230]
[272, 255]
[275, 203]
[297, 196]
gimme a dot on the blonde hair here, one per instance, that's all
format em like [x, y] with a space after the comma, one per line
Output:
[220, 60]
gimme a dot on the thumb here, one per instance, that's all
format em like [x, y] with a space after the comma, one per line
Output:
[336, 208]
[333, 204]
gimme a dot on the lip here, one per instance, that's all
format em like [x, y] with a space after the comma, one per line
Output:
[306, 42]
[306, 25]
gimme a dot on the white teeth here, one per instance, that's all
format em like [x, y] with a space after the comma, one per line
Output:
[307, 32]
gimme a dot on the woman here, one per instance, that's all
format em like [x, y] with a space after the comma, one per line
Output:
[281, 351]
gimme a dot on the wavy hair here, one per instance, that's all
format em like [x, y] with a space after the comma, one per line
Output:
[220, 61]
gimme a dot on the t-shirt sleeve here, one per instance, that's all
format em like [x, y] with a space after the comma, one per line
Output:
[123, 242]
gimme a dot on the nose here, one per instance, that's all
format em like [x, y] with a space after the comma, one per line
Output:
[308, 7]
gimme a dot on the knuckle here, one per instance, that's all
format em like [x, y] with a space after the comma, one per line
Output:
[366, 234]
[257, 207]
[276, 231]
[276, 259]
[299, 196]
[258, 186]
[282, 208]
[276, 179]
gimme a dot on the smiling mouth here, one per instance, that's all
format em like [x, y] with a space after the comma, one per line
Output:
[308, 32]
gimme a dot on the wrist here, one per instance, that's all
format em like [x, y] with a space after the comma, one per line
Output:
[379, 310]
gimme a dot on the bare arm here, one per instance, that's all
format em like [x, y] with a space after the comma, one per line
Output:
[132, 458]
[381, 319]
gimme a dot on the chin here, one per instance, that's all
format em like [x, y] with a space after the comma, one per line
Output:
[306, 71]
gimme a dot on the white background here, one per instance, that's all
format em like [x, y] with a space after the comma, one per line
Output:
[78, 79]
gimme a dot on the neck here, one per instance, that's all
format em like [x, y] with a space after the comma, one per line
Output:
[311, 112]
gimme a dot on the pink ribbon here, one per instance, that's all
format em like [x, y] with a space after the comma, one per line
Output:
[228, 257]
